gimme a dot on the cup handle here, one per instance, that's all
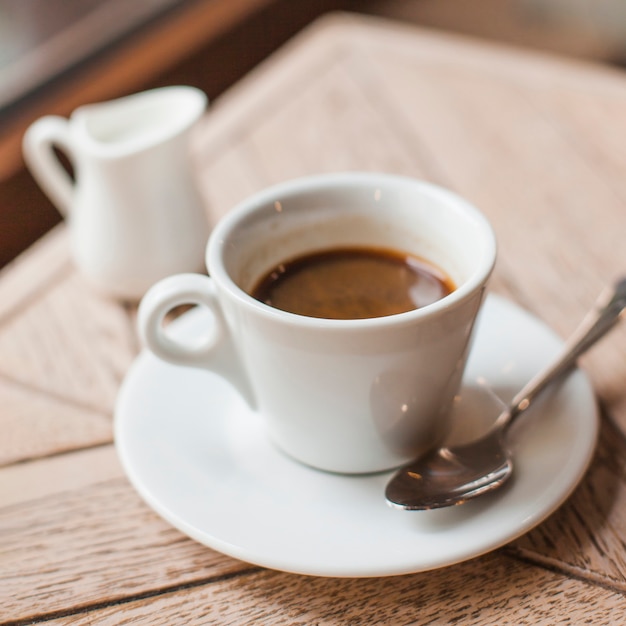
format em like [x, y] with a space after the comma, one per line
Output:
[216, 350]
[37, 146]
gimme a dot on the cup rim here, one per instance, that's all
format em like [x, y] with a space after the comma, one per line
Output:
[217, 239]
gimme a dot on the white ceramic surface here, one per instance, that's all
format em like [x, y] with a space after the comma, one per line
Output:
[220, 481]
[352, 396]
[134, 209]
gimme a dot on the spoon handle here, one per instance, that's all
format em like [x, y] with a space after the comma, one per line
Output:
[594, 326]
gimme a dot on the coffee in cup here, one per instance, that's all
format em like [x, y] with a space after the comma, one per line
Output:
[352, 283]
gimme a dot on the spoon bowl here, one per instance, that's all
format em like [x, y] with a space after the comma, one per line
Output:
[453, 475]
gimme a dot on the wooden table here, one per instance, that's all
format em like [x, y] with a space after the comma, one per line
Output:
[538, 143]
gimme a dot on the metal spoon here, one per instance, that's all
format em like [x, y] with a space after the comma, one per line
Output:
[453, 475]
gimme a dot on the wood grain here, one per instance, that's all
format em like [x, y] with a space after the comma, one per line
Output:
[44, 263]
[97, 532]
[70, 342]
[586, 537]
[493, 590]
[129, 559]
[37, 424]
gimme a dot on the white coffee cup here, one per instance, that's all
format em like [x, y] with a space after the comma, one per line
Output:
[349, 396]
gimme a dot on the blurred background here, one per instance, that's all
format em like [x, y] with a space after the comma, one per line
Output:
[58, 54]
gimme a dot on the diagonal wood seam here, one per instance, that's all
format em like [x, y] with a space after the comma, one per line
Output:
[35, 294]
[94, 408]
[589, 577]
[512, 552]
[33, 389]
[556, 562]
[89, 414]
[122, 600]
[56, 453]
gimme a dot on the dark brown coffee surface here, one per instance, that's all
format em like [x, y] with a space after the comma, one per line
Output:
[352, 283]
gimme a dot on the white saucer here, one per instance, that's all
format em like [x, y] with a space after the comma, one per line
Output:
[201, 460]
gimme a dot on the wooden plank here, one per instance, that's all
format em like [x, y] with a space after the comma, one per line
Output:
[227, 175]
[66, 529]
[43, 264]
[69, 342]
[488, 591]
[334, 126]
[35, 424]
[85, 507]
[586, 537]
[63, 352]
[91, 528]
[22, 483]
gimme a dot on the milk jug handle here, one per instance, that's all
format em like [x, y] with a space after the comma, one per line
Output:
[38, 149]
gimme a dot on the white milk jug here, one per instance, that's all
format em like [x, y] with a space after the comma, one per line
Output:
[133, 207]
